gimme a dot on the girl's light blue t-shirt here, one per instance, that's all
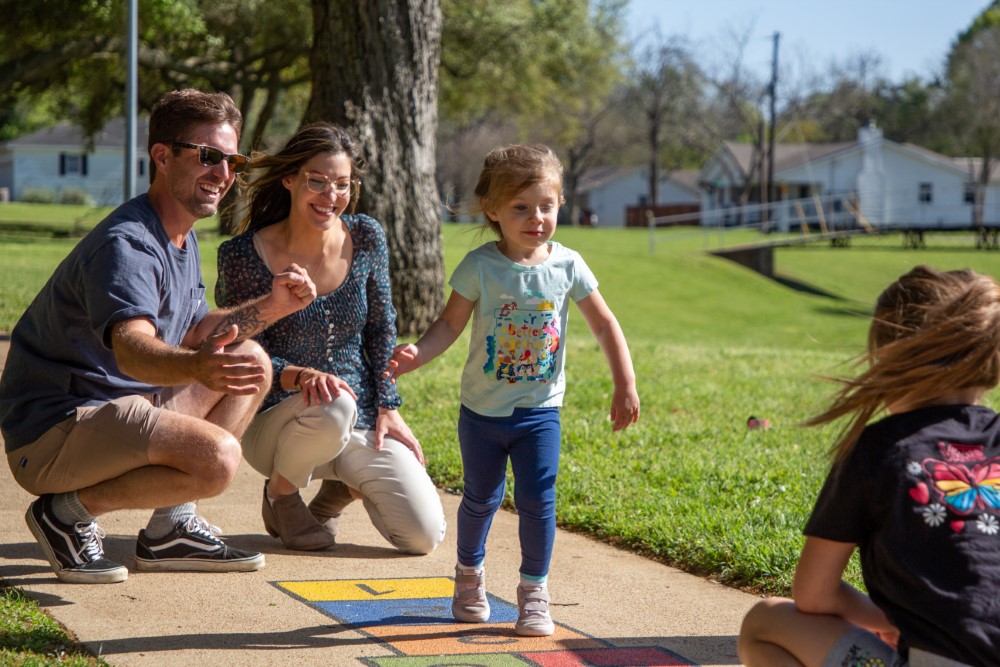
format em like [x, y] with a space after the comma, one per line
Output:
[517, 350]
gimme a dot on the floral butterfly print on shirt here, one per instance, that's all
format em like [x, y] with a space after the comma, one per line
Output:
[965, 483]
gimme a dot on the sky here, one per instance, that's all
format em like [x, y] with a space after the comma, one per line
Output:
[913, 37]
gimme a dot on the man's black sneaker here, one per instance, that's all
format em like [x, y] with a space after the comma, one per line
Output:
[193, 546]
[75, 552]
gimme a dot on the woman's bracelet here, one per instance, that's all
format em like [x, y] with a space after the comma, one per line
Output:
[295, 384]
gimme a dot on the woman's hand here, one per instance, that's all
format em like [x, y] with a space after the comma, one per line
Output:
[319, 387]
[390, 423]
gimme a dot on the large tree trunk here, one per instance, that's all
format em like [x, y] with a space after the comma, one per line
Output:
[375, 72]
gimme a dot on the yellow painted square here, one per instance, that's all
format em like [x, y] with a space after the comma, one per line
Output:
[371, 589]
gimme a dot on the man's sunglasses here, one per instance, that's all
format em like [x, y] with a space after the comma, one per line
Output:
[211, 157]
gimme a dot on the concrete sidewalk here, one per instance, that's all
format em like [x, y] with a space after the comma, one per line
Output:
[364, 603]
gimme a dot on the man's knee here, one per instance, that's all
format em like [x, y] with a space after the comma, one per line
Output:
[209, 454]
[250, 346]
[218, 470]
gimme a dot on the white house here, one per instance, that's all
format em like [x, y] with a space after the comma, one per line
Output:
[609, 191]
[888, 183]
[58, 158]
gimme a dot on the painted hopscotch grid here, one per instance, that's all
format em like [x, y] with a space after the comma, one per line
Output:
[412, 618]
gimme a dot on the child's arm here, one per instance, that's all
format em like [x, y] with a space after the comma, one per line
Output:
[438, 338]
[819, 589]
[604, 326]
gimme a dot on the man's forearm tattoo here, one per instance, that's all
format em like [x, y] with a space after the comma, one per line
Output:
[246, 318]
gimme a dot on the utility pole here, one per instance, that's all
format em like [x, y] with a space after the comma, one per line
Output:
[772, 89]
[131, 104]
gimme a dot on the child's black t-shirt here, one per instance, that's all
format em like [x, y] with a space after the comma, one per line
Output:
[920, 496]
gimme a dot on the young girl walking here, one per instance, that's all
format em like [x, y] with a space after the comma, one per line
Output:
[918, 493]
[519, 289]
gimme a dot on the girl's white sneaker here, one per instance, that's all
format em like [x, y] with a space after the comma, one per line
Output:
[470, 605]
[533, 619]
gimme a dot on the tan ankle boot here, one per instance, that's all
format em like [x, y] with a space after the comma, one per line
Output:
[331, 500]
[288, 518]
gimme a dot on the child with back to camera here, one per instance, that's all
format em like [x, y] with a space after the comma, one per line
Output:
[512, 386]
[918, 493]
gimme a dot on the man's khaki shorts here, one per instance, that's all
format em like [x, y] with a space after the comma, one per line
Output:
[94, 445]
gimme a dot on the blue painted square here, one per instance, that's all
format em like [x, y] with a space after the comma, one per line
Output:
[414, 611]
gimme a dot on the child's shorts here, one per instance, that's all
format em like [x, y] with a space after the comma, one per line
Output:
[860, 647]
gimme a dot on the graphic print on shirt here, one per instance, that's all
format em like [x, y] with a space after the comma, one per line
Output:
[962, 487]
[523, 343]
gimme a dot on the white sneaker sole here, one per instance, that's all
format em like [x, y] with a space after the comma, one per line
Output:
[113, 575]
[196, 565]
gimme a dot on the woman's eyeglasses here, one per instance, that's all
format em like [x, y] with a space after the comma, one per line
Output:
[318, 183]
[211, 157]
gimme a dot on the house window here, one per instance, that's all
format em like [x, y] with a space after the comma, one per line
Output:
[926, 195]
[970, 193]
[72, 164]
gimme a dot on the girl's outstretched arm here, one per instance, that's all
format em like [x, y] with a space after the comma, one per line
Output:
[438, 338]
[609, 335]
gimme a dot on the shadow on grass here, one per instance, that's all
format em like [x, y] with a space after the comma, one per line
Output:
[840, 306]
[804, 287]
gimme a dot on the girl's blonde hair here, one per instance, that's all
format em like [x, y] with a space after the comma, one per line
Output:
[510, 169]
[933, 332]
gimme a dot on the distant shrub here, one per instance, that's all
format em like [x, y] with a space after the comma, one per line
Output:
[75, 196]
[38, 195]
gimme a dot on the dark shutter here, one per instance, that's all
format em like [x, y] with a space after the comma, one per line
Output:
[83, 164]
[62, 164]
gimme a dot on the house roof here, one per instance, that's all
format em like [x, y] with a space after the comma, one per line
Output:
[686, 178]
[598, 176]
[971, 167]
[112, 135]
[786, 156]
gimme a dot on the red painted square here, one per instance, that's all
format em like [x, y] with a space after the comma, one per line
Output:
[644, 656]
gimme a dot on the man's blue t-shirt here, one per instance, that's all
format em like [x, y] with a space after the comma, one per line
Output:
[60, 350]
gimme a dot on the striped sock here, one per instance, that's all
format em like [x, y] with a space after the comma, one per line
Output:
[68, 509]
[165, 519]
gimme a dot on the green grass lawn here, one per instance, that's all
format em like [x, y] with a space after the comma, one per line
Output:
[713, 343]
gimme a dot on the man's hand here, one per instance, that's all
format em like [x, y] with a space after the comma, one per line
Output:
[227, 372]
[292, 290]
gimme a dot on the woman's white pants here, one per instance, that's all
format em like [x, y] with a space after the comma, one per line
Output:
[302, 443]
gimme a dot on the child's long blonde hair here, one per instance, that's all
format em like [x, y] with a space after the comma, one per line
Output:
[933, 332]
[510, 169]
